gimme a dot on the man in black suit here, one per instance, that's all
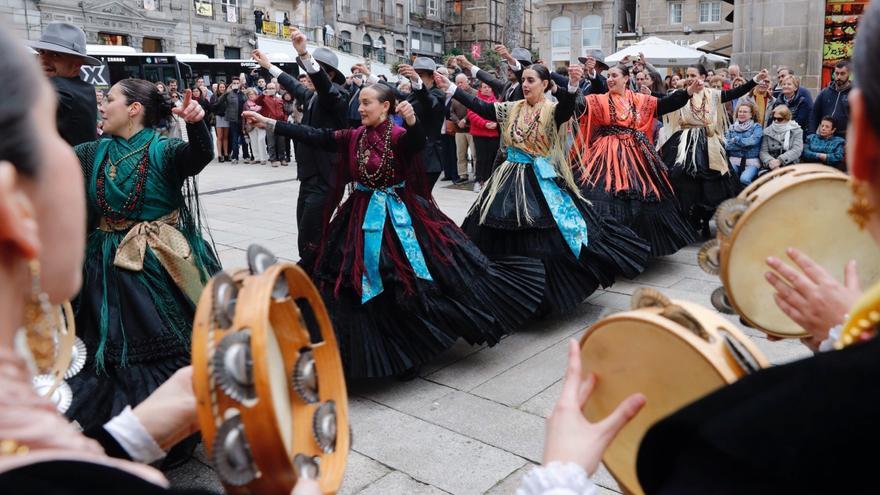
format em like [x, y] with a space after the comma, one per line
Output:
[327, 108]
[429, 104]
[62, 49]
[509, 90]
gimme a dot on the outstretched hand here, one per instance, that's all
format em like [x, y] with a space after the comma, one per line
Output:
[405, 110]
[763, 76]
[299, 40]
[694, 86]
[463, 62]
[570, 436]
[255, 119]
[261, 59]
[810, 296]
[408, 72]
[442, 81]
[190, 110]
[575, 74]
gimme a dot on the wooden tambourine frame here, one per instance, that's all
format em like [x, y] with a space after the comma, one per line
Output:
[740, 265]
[285, 317]
[674, 352]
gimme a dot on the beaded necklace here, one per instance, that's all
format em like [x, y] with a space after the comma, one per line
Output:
[384, 174]
[134, 201]
[521, 135]
[701, 112]
[612, 110]
[112, 172]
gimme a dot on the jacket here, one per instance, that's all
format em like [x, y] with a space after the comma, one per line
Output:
[506, 90]
[834, 103]
[459, 112]
[801, 109]
[832, 146]
[77, 113]
[763, 113]
[230, 105]
[478, 124]
[324, 108]
[429, 106]
[772, 146]
[746, 144]
[272, 107]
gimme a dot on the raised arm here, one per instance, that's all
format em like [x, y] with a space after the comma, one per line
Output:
[566, 104]
[478, 106]
[672, 102]
[414, 140]
[192, 157]
[734, 93]
[324, 139]
[300, 93]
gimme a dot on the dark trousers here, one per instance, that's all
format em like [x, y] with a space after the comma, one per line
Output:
[234, 139]
[310, 206]
[450, 160]
[487, 147]
[432, 179]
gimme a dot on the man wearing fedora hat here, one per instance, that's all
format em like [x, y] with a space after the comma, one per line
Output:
[62, 50]
[594, 65]
[429, 104]
[510, 90]
[324, 108]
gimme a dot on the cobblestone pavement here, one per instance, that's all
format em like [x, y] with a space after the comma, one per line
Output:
[473, 421]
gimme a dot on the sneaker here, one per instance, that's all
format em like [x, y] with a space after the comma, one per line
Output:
[262, 162]
[235, 161]
[220, 159]
[461, 180]
[284, 163]
[275, 164]
[444, 178]
[478, 187]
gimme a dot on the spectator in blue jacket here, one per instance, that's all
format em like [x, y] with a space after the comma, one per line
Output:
[800, 106]
[834, 101]
[744, 143]
[824, 146]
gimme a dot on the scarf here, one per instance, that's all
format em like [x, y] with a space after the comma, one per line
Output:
[786, 128]
[841, 88]
[743, 126]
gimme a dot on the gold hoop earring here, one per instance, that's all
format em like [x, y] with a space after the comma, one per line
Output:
[860, 210]
[40, 322]
[130, 125]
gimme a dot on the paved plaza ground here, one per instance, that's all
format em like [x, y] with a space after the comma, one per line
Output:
[473, 421]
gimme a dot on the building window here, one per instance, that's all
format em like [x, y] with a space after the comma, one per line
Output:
[345, 41]
[229, 8]
[112, 39]
[204, 8]
[710, 12]
[399, 47]
[416, 43]
[674, 13]
[205, 49]
[346, 6]
[591, 32]
[380, 49]
[432, 8]
[152, 45]
[232, 53]
[560, 32]
[398, 13]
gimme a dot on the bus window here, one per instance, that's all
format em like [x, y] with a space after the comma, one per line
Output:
[151, 73]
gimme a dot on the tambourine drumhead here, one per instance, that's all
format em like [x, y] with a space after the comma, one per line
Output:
[643, 351]
[805, 208]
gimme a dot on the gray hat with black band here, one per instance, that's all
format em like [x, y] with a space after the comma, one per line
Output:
[329, 60]
[598, 56]
[61, 37]
[424, 64]
[522, 56]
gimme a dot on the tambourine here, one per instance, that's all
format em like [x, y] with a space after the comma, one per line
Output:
[58, 354]
[268, 380]
[673, 352]
[802, 206]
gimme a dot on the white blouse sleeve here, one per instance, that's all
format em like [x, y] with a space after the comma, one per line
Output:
[557, 478]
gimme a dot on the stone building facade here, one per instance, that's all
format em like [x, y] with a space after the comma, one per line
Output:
[566, 29]
[218, 28]
[770, 34]
[683, 22]
[373, 29]
[482, 22]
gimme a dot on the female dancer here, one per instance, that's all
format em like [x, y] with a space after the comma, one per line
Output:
[221, 125]
[146, 259]
[693, 148]
[400, 280]
[623, 176]
[531, 205]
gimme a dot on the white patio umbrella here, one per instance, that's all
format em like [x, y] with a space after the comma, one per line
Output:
[659, 52]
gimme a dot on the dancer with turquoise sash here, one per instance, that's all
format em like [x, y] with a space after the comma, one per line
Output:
[400, 280]
[146, 261]
[531, 206]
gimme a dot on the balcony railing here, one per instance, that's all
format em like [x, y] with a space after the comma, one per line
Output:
[377, 19]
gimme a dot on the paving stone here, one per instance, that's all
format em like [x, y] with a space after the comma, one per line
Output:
[528, 378]
[506, 428]
[428, 453]
[360, 472]
[509, 485]
[542, 403]
[402, 396]
[397, 483]
[460, 350]
[490, 362]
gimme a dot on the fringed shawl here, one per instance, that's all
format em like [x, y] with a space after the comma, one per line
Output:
[691, 124]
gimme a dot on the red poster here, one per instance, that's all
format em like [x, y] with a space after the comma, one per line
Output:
[475, 51]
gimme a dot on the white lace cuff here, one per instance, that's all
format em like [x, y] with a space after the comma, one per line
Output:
[557, 478]
[275, 71]
[127, 429]
[833, 337]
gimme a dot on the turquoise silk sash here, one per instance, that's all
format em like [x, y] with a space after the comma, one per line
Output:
[381, 203]
[569, 220]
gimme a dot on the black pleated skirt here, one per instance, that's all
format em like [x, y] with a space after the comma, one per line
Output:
[697, 187]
